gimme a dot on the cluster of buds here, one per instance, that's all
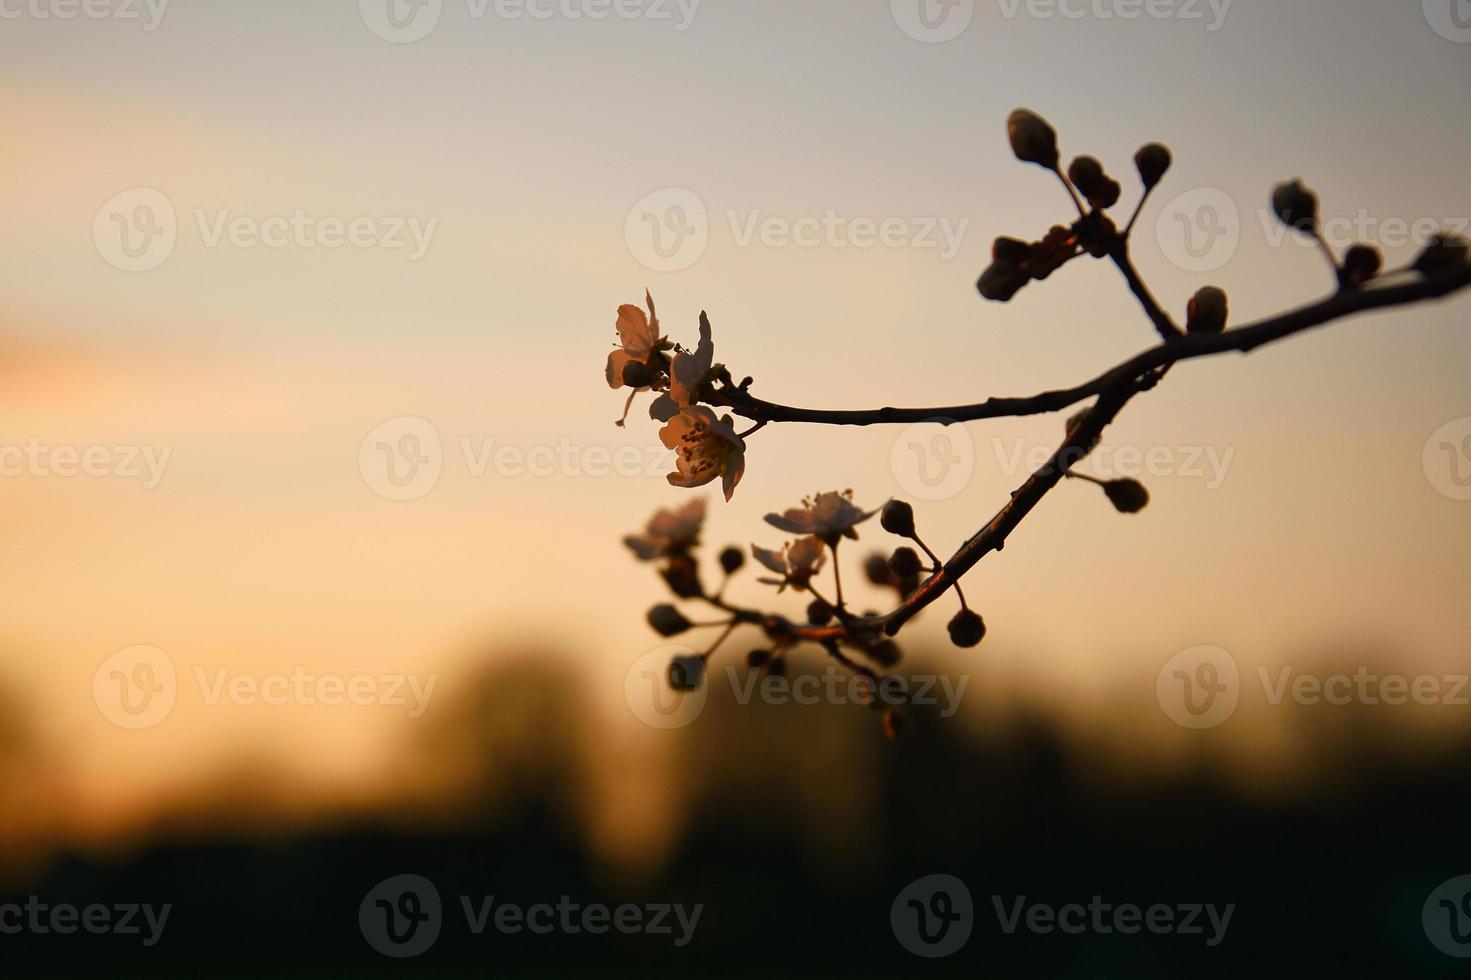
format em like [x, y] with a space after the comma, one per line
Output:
[1015, 263]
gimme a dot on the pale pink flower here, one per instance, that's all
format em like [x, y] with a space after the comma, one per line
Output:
[706, 448]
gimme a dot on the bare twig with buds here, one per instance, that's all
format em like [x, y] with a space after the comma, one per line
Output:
[690, 386]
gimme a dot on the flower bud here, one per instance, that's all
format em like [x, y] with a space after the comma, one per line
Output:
[876, 567]
[905, 562]
[668, 621]
[1127, 496]
[687, 673]
[757, 659]
[1360, 264]
[1445, 251]
[1296, 206]
[898, 518]
[819, 613]
[1087, 175]
[732, 560]
[885, 653]
[1012, 251]
[1153, 161]
[1032, 139]
[1001, 281]
[1208, 311]
[967, 629]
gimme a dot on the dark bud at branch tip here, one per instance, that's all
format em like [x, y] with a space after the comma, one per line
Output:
[1153, 161]
[898, 518]
[1032, 139]
[732, 560]
[819, 613]
[1445, 251]
[1208, 311]
[1360, 264]
[687, 673]
[1088, 176]
[668, 621]
[757, 659]
[1001, 281]
[967, 629]
[905, 562]
[1296, 207]
[876, 567]
[1127, 496]
[1011, 251]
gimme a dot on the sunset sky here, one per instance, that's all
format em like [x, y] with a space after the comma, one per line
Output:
[521, 148]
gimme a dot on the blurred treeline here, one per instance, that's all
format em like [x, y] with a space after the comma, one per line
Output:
[797, 826]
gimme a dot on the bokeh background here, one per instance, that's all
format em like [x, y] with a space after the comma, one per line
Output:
[539, 153]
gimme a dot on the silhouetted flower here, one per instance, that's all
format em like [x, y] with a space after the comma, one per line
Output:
[830, 516]
[669, 532]
[688, 371]
[706, 447]
[796, 563]
[639, 360]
